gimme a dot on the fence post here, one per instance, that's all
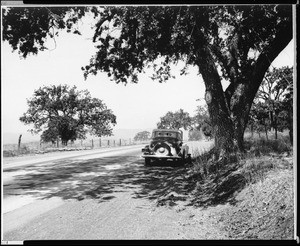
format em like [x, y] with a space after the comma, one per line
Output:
[114, 143]
[19, 142]
[100, 142]
[92, 143]
[108, 142]
[120, 141]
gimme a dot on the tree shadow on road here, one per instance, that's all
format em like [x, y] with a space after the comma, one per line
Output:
[99, 179]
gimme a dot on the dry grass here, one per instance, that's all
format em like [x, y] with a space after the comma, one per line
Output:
[258, 186]
[265, 210]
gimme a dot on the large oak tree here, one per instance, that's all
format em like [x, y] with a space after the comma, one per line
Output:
[61, 112]
[237, 43]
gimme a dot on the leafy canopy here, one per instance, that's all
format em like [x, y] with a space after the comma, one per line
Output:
[142, 136]
[176, 120]
[27, 29]
[66, 113]
[132, 38]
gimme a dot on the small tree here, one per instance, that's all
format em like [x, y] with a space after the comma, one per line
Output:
[179, 119]
[272, 93]
[273, 106]
[65, 113]
[142, 136]
[286, 111]
[259, 118]
[201, 121]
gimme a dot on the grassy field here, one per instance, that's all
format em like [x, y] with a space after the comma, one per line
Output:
[257, 187]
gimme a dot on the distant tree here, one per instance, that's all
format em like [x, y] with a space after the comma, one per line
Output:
[142, 136]
[273, 105]
[65, 113]
[285, 84]
[202, 122]
[176, 120]
[274, 88]
[195, 135]
[259, 118]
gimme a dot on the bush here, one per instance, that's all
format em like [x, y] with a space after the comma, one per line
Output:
[9, 153]
[16, 152]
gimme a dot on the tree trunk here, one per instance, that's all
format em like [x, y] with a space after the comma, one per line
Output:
[243, 87]
[239, 102]
[266, 131]
[275, 125]
[220, 118]
[230, 117]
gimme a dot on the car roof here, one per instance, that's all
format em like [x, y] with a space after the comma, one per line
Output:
[167, 130]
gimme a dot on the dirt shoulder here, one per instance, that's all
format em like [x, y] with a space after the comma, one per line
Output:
[122, 217]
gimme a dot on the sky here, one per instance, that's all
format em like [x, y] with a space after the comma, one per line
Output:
[137, 106]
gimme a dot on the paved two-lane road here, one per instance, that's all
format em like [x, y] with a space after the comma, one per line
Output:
[101, 194]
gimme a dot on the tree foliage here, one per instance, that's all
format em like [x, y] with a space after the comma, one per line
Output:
[195, 135]
[66, 113]
[201, 121]
[273, 105]
[176, 120]
[259, 118]
[241, 40]
[142, 136]
[27, 29]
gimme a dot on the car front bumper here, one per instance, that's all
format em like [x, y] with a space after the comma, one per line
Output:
[161, 157]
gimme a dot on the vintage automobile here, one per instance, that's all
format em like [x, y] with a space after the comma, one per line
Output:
[166, 144]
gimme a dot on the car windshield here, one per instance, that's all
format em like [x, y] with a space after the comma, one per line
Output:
[156, 134]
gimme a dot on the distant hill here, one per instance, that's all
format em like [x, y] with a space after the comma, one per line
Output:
[130, 133]
[12, 138]
[126, 133]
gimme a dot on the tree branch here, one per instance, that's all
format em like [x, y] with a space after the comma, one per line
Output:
[268, 55]
[99, 24]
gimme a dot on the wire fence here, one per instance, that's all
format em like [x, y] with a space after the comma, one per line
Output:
[86, 144]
